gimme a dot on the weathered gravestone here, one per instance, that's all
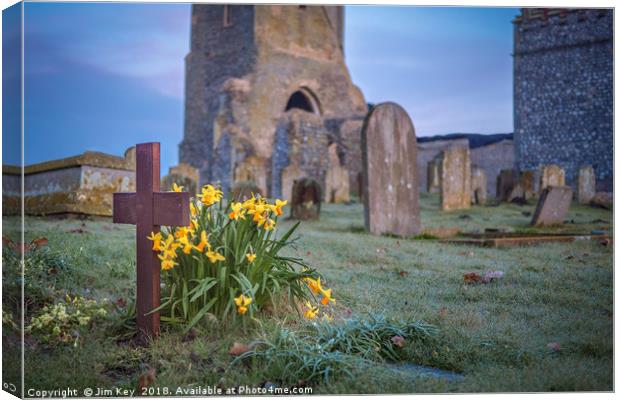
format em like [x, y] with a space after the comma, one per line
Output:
[586, 184]
[149, 208]
[241, 191]
[552, 206]
[551, 175]
[478, 185]
[506, 181]
[306, 199]
[336, 178]
[455, 170]
[432, 175]
[528, 181]
[389, 172]
[289, 175]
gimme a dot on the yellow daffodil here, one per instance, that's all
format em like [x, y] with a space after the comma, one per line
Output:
[210, 195]
[278, 206]
[237, 211]
[269, 224]
[203, 242]
[251, 257]
[181, 232]
[192, 210]
[311, 312]
[187, 245]
[327, 297]
[166, 263]
[214, 256]
[176, 188]
[156, 238]
[242, 303]
[314, 284]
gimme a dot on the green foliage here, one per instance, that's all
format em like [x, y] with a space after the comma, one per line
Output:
[225, 254]
[325, 351]
[64, 322]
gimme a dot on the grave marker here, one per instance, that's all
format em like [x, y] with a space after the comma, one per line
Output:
[551, 175]
[586, 185]
[389, 172]
[478, 185]
[506, 181]
[552, 206]
[455, 171]
[148, 208]
[306, 199]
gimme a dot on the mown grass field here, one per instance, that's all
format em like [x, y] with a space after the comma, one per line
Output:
[495, 335]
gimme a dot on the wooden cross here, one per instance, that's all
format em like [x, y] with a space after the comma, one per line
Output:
[149, 208]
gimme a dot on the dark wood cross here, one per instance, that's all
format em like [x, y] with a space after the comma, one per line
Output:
[149, 208]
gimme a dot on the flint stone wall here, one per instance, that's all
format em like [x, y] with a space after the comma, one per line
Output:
[563, 91]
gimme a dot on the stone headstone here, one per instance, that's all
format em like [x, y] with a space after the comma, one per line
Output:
[432, 176]
[130, 157]
[306, 199]
[252, 169]
[336, 178]
[184, 175]
[552, 206]
[603, 200]
[241, 191]
[506, 181]
[455, 170]
[551, 175]
[586, 184]
[478, 185]
[390, 176]
[289, 175]
[528, 182]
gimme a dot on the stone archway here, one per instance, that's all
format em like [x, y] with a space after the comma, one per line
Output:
[304, 99]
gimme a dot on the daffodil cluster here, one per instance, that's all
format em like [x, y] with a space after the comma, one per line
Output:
[326, 298]
[227, 262]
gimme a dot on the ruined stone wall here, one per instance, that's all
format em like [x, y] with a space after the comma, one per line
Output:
[492, 159]
[235, 99]
[563, 90]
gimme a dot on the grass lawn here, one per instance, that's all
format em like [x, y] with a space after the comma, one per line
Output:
[495, 335]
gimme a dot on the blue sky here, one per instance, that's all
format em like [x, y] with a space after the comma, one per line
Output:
[106, 76]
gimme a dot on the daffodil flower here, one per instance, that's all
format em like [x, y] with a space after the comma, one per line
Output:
[327, 297]
[203, 242]
[251, 257]
[311, 312]
[314, 284]
[242, 303]
[156, 238]
[237, 211]
[176, 188]
[210, 195]
[214, 256]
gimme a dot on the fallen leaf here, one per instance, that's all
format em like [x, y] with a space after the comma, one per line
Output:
[472, 277]
[238, 348]
[443, 311]
[39, 242]
[403, 273]
[398, 341]
[491, 275]
[146, 379]
[191, 335]
[554, 346]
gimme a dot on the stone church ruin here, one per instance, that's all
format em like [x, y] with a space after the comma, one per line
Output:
[267, 93]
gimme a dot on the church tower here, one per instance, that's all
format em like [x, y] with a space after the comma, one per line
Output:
[266, 91]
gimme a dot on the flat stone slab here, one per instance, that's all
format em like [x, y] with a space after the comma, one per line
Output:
[422, 371]
[516, 240]
[552, 206]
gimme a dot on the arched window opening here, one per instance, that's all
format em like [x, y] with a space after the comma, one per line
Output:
[302, 101]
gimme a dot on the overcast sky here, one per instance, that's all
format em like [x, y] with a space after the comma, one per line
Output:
[106, 76]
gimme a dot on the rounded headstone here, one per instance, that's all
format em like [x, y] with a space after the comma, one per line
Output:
[306, 199]
[390, 181]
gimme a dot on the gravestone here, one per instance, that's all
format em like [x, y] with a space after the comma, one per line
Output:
[432, 176]
[184, 175]
[336, 178]
[389, 172]
[241, 191]
[478, 185]
[551, 175]
[306, 199]
[455, 170]
[289, 175]
[603, 200]
[552, 206]
[586, 184]
[528, 182]
[506, 181]
[148, 209]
